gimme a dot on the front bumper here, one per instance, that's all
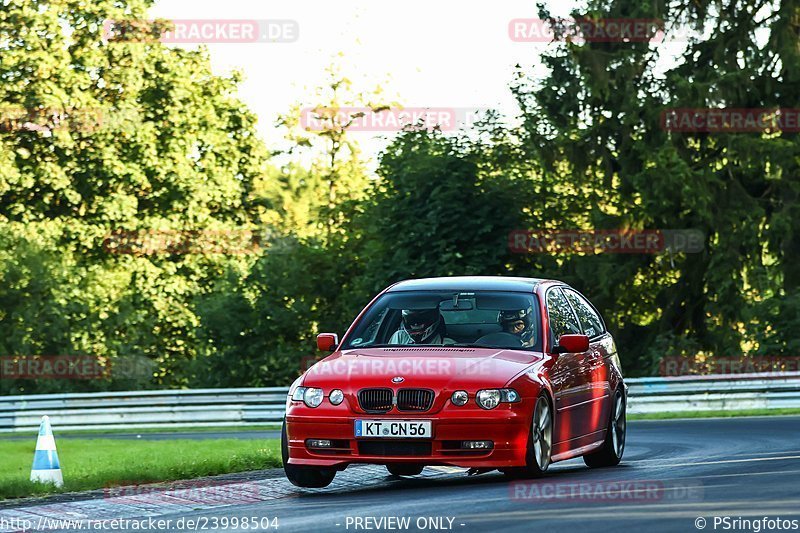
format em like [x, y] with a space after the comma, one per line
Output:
[507, 428]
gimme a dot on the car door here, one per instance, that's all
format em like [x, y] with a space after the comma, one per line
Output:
[595, 361]
[569, 375]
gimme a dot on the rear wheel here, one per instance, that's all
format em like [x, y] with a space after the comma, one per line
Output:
[540, 442]
[610, 454]
[307, 477]
[404, 469]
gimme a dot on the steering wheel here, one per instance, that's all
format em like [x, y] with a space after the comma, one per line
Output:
[500, 339]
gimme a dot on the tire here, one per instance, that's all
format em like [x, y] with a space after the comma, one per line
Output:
[307, 477]
[404, 469]
[540, 442]
[610, 454]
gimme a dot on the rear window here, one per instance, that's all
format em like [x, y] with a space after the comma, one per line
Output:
[491, 319]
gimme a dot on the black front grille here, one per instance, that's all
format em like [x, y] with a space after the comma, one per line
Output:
[375, 400]
[414, 399]
[394, 448]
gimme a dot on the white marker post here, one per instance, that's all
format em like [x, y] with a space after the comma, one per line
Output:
[46, 468]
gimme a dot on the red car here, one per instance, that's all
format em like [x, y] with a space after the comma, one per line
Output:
[479, 372]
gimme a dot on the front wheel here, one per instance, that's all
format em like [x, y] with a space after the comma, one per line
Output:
[610, 454]
[307, 477]
[540, 442]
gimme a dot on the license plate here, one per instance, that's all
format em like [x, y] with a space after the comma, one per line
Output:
[414, 429]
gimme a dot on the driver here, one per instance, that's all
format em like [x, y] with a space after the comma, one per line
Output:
[519, 323]
[421, 326]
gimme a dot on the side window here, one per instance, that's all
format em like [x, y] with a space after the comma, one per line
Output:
[370, 334]
[590, 321]
[562, 320]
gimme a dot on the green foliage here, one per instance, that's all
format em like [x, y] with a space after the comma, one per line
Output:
[166, 146]
[259, 328]
[174, 149]
[594, 124]
[436, 212]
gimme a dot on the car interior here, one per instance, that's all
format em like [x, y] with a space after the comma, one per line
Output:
[469, 318]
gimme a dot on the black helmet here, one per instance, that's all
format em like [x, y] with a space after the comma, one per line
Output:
[518, 323]
[421, 324]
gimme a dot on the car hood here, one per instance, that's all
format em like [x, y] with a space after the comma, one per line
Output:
[427, 367]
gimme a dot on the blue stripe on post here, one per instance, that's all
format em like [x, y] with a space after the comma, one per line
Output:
[45, 460]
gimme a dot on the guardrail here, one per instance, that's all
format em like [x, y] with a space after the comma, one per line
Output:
[714, 393]
[145, 409]
[236, 407]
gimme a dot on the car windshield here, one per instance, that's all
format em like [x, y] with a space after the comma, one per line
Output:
[490, 319]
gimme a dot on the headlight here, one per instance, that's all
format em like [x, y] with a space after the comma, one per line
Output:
[313, 397]
[459, 397]
[491, 398]
[488, 399]
[297, 395]
[336, 397]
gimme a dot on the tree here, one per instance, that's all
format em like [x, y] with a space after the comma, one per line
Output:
[320, 132]
[116, 136]
[595, 124]
[438, 210]
[259, 325]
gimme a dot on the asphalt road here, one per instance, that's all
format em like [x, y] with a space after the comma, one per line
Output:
[673, 473]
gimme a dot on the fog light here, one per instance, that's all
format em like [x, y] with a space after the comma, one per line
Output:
[477, 444]
[318, 443]
[459, 397]
[336, 397]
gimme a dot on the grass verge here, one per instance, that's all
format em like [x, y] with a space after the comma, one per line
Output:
[98, 463]
[713, 414]
[144, 431]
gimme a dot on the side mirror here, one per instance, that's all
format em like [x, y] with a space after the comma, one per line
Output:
[573, 343]
[327, 342]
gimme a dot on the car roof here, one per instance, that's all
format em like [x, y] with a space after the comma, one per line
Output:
[469, 283]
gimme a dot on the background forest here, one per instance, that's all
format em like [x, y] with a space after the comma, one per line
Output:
[176, 151]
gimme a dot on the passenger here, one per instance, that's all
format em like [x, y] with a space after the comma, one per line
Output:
[519, 324]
